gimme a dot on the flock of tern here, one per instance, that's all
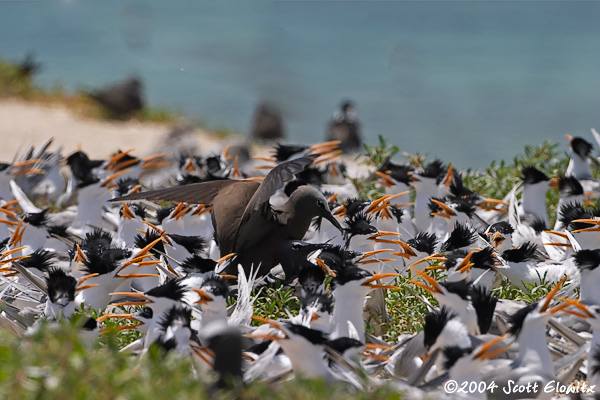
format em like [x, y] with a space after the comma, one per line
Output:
[231, 230]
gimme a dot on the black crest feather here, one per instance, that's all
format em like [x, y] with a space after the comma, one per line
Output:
[570, 186]
[523, 253]
[435, 169]
[435, 322]
[193, 244]
[484, 304]
[150, 236]
[40, 259]
[312, 335]
[502, 227]
[349, 273]
[461, 236]
[582, 147]
[216, 285]
[163, 213]
[518, 318]
[424, 242]
[452, 354]
[587, 259]
[173, 289]
[531, 175]
[198, 264]
[459, 288]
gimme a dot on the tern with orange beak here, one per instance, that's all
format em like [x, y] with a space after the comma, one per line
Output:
[523, 267]
[534, 362]
[396, 178]
[531, 211]
[160, 299]
[350, 286]
[499, 235]
[426, 182]
[465, 365]
[579, 164]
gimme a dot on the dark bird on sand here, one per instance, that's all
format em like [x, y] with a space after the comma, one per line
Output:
[121, 99]
[345, 128]
[268, 123]
[245, 222]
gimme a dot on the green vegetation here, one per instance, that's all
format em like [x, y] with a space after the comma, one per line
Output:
[276, 302]
[56, 364]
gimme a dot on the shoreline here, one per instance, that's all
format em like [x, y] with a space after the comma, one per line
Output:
[25, 123]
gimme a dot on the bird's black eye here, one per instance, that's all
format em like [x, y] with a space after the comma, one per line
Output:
[296, 246]
[320, 204]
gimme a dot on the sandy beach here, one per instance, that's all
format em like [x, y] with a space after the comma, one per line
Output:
[23, 124]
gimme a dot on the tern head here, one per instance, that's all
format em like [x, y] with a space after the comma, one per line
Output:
[358, 225]
[587, 259]
[214, 290]
[499, 235]
[61, 286]
[570, 186]
[423, 242]
[435, 322]
[531, 176]
[581, 147]
[125, 186]
[398, 172]
[462, 236]
[198, 265]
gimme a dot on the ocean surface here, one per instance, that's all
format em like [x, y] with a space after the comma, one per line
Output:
[466, 81]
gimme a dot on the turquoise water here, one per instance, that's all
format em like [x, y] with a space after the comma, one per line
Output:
[466, 81]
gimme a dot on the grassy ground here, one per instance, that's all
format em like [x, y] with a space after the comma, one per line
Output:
[56, 364]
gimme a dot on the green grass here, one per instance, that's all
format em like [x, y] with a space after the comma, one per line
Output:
[12, 83]
[55, 364]
[275, 302]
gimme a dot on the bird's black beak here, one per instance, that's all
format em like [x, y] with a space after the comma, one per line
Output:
[329, 217]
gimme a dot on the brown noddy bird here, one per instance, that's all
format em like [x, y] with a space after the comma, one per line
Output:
[121, 99]
[345, 128]
[245, 222]
[268, 123]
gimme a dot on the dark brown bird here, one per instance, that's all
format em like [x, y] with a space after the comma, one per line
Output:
[121, 99]
[245, 222]
[345, 128]
[29, 66]
[268, 123]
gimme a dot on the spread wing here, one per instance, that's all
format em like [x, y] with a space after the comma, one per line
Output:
[195, 193]
[253, 225]
[275, 179]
